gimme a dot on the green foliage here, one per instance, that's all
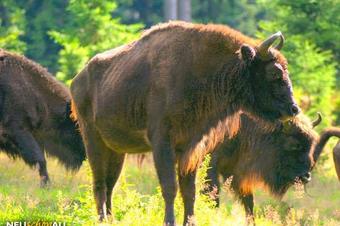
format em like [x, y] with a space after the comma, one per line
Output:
[312, 69]
[317, 21]
[40, 17]
[12, 26]
[148, 12]
[242, 15]
[313, 75]
[90, 30]
[70, 199]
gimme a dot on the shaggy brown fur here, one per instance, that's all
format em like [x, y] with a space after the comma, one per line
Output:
[178, 89]
[272, 160]
[34, 115]
[9, 59]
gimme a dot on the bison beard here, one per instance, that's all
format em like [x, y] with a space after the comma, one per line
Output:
[35, 116]
[179, 90]
[273, 159]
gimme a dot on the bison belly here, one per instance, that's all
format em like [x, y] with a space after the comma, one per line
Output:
[110, 94]
[123, 139]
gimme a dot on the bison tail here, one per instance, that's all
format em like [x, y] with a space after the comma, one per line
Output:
[140, 159]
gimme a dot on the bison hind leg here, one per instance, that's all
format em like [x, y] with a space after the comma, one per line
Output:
[106, 166]
[188, 192]
[114, 167]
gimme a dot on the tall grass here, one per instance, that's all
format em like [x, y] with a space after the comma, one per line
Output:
[137, 199]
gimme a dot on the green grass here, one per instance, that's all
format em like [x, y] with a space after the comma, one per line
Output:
[137, 199]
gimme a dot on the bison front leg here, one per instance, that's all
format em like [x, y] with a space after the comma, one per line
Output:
[31, 153]
[248, 203]
[164, 158]
[188, 192]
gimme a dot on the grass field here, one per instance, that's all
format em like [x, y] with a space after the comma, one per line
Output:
[137, 199]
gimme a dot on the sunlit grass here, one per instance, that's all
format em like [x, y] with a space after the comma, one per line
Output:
[137, 199]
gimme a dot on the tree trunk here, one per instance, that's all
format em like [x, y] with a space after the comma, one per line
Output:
[184, 10]
[170, 10]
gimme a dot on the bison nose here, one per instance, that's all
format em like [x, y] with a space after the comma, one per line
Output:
[294, 109]
[307, 177]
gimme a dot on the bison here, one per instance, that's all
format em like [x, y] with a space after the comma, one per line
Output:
[35, 116]
[179, 90]
[272, 158]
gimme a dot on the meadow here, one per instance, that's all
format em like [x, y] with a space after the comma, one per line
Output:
[63, 35]
[138, 202]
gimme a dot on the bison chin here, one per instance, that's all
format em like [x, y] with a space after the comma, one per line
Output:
[284, 113]
[282, 184]
[278, 190]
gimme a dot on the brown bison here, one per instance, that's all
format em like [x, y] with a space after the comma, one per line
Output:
[35, 116]
[179, 90]
[270, 158]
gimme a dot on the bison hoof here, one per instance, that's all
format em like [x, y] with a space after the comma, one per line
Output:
[44, 181]
[102, 217]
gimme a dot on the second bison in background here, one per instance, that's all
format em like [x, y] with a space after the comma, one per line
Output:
[270, 158]
[178, 90]
[35, 116]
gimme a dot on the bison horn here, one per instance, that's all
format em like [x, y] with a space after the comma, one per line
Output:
[265, 45]
[317, 121]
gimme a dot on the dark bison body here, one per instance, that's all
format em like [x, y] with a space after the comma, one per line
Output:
[35, 116]
[178, 90]
[269, 158]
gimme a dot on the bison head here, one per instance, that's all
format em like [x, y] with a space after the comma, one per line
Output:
[279, 157]
[294, 152]
[269, 80]
[292, 159]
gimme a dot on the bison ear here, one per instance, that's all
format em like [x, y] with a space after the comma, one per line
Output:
[247, 53]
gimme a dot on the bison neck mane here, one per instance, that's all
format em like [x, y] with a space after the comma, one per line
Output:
[64, 142]
[211, 112]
